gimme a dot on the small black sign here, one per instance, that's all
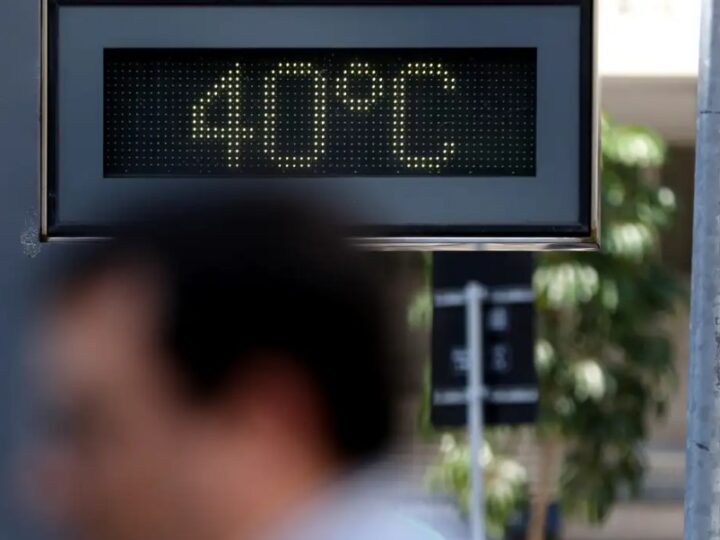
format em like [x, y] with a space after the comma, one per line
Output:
[511, 390]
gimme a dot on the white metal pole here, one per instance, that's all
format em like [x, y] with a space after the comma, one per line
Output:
[474, 295]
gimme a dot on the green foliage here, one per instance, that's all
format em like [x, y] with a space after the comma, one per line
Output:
[505, 481]
[419, 313]
[605, 366]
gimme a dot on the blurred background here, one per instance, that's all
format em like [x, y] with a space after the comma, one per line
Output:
[606, 458]
[607, 455]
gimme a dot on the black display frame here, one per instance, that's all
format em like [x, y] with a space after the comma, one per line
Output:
[581, 236]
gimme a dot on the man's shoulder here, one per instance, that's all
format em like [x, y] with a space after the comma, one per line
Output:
[391, 524]
[408, 528]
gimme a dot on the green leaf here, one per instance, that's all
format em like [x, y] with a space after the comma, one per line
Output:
[633, 146]
[566, 284]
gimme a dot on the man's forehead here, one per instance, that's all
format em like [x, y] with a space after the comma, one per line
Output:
[108, 323]
[125, 296]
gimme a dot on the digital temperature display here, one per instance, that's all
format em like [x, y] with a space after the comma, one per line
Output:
[320, 112]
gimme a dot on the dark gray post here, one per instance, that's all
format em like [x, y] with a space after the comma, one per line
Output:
[21, 256]
[702, 498]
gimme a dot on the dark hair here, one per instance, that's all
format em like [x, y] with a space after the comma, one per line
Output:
[261, 275]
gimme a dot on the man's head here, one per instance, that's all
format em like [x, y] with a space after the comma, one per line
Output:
[209, 369]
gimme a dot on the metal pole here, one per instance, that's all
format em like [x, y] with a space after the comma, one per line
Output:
[702, 488]
[474, 296]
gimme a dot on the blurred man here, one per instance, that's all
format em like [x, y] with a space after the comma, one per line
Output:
[220, 375]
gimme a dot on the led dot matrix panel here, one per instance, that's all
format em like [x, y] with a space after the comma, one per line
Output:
[313, 112]
[438, 124]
